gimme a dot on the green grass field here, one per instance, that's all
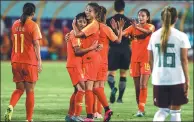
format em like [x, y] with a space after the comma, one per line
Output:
[54, 89]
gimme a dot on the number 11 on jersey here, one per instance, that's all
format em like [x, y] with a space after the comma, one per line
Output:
[16, 42]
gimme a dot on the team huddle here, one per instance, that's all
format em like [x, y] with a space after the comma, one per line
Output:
[162, 53]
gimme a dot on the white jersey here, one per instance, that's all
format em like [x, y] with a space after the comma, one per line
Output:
[167, 67]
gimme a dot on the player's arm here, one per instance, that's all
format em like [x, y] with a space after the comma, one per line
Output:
[37, 51]
[184, 62]
[146, 31]
[36, 37]
[151, 60]
[81, 51]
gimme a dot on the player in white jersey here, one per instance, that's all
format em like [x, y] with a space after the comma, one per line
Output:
[169, 63]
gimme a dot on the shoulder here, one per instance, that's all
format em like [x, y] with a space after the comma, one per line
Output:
[16, 22]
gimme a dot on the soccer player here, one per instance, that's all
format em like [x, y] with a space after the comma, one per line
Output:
[119, 55]
[168, 51]
[91, 61]
[25, 59]
[74, 67]
[139, 68]
[106, 34]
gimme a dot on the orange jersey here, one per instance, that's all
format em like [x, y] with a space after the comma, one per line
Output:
[22, 40]
[91, 32]
[72, 60]
[106, 34]
[139, 43]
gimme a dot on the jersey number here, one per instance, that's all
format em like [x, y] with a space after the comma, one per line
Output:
[16, 42]
[168, 58]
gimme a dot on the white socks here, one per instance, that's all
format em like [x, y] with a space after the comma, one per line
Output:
[161, 114]
[175, 115]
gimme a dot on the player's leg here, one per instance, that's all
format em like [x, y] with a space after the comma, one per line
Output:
[99, 92]
[122, 85]
[78, 103]
[111, 82]
[162, 104]
[29, 86]
[145, 74]
[123, 66]
[17, 93]
[178, 98]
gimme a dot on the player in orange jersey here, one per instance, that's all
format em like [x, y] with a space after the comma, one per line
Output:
[74, 67]
[91, 61]
[25, 59]
[140, 68]
[106, 34]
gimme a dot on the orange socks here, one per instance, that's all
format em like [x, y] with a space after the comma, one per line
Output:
[78, 102]
[29, 105]
[15, 97]
[101, 96]
[71, 106]
[142, 99]
[89, 101]
[99, 107]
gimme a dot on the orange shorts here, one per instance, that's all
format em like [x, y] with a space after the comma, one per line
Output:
[76, 75]
[102, 73]
[24, 72]
[139, 68]
[91, 70]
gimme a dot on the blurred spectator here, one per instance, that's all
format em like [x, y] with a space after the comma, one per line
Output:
[5, 46]
[44, 46]
[56, 44]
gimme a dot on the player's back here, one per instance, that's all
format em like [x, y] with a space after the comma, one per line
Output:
[167, 66]
[22, 42]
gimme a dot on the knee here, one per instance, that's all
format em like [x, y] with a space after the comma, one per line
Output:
[143, 86]
[122, 73]
[28, 90]
[112, 73]
[21, 91]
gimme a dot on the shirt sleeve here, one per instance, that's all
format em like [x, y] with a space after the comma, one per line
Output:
[185, 41]
[91, 28]
[36, 33]
[151, 27]
[128, 31]
[111, 35]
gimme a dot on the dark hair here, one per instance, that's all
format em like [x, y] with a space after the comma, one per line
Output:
[102, 13]
[95, 6]
[119, 5]
[147, 13]
[168, 15]
[28, 10]
[78, 16]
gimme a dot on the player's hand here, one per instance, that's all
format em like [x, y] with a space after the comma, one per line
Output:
[133, 23]
[74, 22]
[113, 24]
[186, 88]
[100, 46]
[121, 24]
[67, 37]
[40, 66]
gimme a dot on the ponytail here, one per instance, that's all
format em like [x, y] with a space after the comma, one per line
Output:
[166, 17]
[28, 10]
[101, 14]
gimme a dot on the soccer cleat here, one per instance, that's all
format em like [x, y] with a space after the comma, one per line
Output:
[113, 94]
[139, 114]
[8, 113]
[107, 115]
[97, 115]
[68, 118]
[29, 121]
[88, 120]
[119, 101]
[77, 119]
